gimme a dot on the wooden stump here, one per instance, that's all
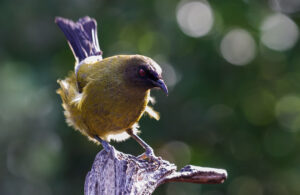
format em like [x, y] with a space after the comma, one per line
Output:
[117, 173]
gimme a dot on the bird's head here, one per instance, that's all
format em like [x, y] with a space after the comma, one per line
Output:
[144, 73]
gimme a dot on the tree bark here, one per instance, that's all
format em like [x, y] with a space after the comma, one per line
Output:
[114, 172]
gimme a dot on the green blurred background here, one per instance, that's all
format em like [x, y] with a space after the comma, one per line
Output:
[232, 67]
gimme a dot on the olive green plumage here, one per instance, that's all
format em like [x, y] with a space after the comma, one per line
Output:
[105, 98]
[109, 103]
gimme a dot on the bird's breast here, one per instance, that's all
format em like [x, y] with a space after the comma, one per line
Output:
[112, 107]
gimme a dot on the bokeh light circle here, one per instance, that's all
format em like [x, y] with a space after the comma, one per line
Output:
[285, 6]
[238, 47]
[177, 152]
[279, 32]
[288, 112]
[195, 18]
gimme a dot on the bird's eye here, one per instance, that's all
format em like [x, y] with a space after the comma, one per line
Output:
[142, 72]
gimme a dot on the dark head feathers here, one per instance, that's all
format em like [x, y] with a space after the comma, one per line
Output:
[144, 73]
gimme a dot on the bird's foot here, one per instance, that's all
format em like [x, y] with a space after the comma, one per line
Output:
[106, 146]
[149, 154]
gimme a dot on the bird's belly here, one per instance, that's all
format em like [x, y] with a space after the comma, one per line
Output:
[113, 114]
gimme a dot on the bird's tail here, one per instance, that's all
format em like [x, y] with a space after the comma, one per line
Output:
[81, 36]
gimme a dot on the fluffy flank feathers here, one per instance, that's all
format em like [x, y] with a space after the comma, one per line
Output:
[152, 113]
[152, 100]
[123, 136]
[71, 102]
[68, 89]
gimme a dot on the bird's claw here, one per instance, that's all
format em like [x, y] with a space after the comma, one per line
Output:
[149, 154]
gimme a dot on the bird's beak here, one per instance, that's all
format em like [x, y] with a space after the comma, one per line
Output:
[161, 84]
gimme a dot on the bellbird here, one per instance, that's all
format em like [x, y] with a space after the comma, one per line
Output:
[105, 98]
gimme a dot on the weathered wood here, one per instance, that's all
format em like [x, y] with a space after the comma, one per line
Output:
[117, 173]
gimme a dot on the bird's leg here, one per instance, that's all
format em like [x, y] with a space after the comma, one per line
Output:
[107, 147]
[148, 150]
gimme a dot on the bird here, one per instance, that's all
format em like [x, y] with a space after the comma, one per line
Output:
[104, 98]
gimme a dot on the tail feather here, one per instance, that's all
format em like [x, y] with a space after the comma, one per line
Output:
[81, 36]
